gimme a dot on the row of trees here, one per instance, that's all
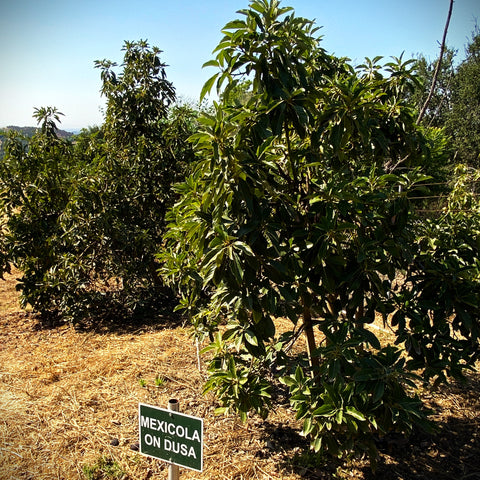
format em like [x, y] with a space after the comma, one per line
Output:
[301, 194]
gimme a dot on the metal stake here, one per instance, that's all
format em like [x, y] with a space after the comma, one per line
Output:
[173, 470]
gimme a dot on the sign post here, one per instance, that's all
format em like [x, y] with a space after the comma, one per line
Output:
[171, 436]
[173, 470]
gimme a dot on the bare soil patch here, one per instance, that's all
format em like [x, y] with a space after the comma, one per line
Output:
[69, 402]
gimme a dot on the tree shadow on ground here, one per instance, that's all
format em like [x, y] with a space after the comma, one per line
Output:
[112, 317]
[451, 453]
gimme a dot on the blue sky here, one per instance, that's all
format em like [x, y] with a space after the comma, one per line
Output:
[48, 47]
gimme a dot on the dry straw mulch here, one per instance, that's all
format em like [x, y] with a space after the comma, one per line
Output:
[69, 401]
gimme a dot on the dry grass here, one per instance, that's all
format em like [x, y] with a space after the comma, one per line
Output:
[69, 398]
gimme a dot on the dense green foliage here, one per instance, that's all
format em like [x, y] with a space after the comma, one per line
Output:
[301, 215]
[463, 124]
[302, 205]
[37, 177]
[84, 220]
[455, 104]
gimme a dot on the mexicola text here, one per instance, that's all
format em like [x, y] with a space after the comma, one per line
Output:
[171, 436]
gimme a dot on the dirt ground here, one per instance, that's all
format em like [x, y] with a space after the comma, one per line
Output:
[69, 410]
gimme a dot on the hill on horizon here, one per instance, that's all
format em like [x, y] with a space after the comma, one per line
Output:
[30, 131]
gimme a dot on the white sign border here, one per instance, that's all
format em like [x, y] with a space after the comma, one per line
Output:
[166, 410]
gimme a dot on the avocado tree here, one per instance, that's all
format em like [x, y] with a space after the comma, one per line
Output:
[37, 177]
[119, 212]
[301, 208]
[84, 220]
[117, 217]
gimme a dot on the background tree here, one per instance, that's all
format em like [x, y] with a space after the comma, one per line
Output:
[37, 178]
[454, 104]
[85, 220]
[440, 103]
[132, 176]
[293, 211]
[120, 211]
[463, 122]
[438, 66]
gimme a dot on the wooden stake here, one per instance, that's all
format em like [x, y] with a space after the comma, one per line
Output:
[311, 344]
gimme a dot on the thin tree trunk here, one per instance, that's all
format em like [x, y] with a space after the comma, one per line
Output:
[437, 68]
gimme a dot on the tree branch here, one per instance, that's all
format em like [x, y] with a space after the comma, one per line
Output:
[437, 68]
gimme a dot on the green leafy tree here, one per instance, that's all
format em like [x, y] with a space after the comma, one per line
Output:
[131, 177]
[84, 220]
[37, 179]
[463, 122]
[438, 318]
[455, 101]
[293, 211]
[117, 217]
